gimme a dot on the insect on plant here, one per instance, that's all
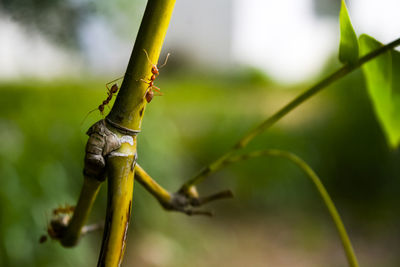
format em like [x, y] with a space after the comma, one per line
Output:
[110, 92]
[67, 209]
[60, 219]
[154, 70]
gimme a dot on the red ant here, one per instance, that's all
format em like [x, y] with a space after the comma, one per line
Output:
[61, 217]
[110, 92]
[113, 90]
[154, 70]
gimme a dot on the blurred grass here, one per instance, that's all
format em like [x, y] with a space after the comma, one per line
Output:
[197, 119]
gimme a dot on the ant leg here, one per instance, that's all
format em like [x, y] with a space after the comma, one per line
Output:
[87, 115]
[158, 90]
[147, 55]
[145, 81]
[145, 92]
[114, 81]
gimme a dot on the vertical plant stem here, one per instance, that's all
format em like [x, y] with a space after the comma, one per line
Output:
[127, 112]
[119, 203]
[129, 106]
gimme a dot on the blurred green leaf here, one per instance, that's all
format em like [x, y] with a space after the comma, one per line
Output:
[384, 87]
[348, 49]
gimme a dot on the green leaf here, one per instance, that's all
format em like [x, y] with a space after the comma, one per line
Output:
[383, 84]
[348, 49]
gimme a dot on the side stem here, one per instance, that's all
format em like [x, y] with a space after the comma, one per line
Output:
[348, 248]
[268, 123]
[82, 210]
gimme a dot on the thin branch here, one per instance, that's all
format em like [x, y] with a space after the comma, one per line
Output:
[351, 257]
[179, 201]
[88, 194]
[268, 123]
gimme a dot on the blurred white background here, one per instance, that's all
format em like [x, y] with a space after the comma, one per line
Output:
[289, 39]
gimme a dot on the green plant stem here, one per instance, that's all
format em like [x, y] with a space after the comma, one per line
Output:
[156, 190]
[119, 205]
[87, 197]
[351, 257]
[128, 109]
[268, 123]
[127, 112]
[178, 201]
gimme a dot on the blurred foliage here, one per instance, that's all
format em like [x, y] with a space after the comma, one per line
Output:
[62, 20]
[59, 20]
[348, 48]
[197, 119]
[384, 88]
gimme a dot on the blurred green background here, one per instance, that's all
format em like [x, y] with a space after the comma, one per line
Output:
[276, 217]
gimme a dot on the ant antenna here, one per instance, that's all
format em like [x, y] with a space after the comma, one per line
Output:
[148, 59]
[166, 59]
[114, 81]
[87, 116]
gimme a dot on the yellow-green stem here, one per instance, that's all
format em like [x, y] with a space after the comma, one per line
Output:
[87, 197]
[127, 112]
[119, 202]
[162, 195]
[129, 106]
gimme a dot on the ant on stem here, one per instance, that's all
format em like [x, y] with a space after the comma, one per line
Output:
[154, 70]
[67, 209]
[110, 92]
[60, 219]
